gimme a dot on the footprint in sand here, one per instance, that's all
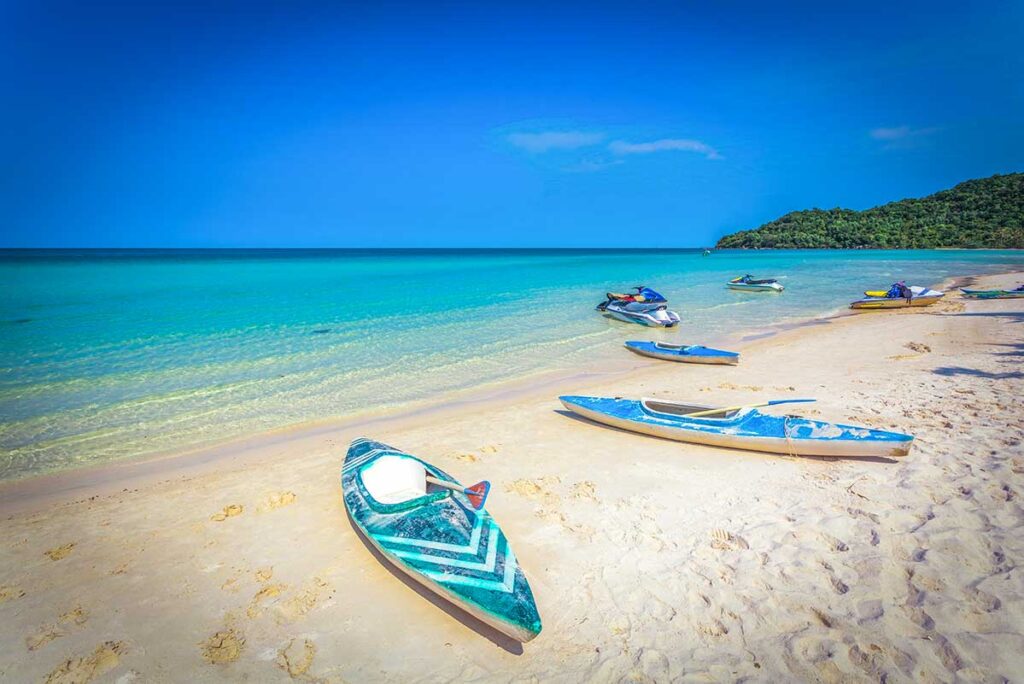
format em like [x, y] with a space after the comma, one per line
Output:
[584, 531]
[275, 501]
[833, 544]
[536, 489]
[60, 552]
[262, 596]
[44, 636]
[918, 347]
[297, 657]
[724, 540]
[9, 593]
[838, 585]
[489, 449]
[291, 609]
[715, 628]
[465, 457]
[860, 513]
[223, 647]
[47, 633]
[81, 670]
[870, 610]
[585, 490]
[227, 512]
[731, 386]
[263, 575]
[823, 619]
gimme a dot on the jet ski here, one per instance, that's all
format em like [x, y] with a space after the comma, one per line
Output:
[747, 283]
[645, 307]
[898, 296]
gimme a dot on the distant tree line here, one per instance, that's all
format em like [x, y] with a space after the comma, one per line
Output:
[986, 212]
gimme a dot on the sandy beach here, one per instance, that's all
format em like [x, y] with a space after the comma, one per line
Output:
[650, 560]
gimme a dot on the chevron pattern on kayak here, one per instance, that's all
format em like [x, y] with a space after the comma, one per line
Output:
[480, 562]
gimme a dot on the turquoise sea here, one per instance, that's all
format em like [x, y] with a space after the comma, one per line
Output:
[110, 354]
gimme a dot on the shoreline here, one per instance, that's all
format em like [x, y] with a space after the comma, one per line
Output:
[648, 558]
[75, 484]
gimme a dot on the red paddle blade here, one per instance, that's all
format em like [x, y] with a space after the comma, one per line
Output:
[477, 494]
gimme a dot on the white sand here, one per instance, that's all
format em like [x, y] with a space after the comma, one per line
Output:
[650, 560]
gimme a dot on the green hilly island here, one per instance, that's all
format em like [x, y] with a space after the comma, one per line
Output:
[986, 212]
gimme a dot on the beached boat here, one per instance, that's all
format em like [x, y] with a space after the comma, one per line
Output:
[920, 296]
[435, 536]
[693, 353]
[747, 283]
[645, 307]
[745, 428]
[993, 294]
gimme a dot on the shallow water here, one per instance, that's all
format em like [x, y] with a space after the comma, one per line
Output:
[110, 354]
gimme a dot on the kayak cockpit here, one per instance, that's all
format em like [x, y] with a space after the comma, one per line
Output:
[676, 410]
[394, 482]
[672, 347]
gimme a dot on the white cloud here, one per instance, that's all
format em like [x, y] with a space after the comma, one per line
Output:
[899, 133]
[554, 140]
[665, 145]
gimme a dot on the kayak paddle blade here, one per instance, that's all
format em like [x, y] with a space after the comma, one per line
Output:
[477, 494]
[789, 401]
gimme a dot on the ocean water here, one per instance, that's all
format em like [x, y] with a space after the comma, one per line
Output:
[116, 354]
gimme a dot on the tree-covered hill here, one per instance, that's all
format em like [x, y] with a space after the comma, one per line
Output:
[987, 212]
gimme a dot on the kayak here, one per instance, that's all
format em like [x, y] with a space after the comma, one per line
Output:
[694, 353]
[922, 296]
[748, 285]
[434, 536]
[745, 428]
[992, 294]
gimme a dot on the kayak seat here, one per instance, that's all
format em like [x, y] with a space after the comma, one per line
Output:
[395, 479]
[685, 410]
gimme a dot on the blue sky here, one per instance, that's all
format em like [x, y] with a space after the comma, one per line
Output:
[487, 124]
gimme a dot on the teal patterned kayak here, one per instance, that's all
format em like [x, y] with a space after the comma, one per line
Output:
[994, 294]
[436, 538]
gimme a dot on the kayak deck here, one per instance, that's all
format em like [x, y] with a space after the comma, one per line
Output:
[439, 541]
[746, 428]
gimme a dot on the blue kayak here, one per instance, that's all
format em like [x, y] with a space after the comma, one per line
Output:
[434, 536]
[745, 428]
[693, 353]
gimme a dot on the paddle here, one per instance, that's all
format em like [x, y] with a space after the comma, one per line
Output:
[476, 494]
[737, 408]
